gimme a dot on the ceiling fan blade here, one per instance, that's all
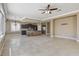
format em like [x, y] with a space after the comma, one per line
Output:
[59, 9]
[42, 12]
[54, 9]
[42, 9]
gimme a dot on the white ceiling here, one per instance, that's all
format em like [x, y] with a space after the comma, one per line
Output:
[30, 10]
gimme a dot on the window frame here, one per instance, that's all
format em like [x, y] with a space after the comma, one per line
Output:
[2, 24]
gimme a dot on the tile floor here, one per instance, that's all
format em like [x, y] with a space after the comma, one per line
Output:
[18, 45]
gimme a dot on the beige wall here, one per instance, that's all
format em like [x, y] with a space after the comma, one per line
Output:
[65, 27]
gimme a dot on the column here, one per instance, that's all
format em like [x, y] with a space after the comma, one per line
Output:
[46, 29]
[39, 26]
[8, 26]
[51, 28]
[78, 25]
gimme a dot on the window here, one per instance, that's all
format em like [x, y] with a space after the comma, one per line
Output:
[1, 24]
[15, 26]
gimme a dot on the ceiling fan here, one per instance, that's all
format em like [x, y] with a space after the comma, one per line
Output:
[48, 9]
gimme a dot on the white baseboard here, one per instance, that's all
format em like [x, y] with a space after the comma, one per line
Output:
[72, 38]
[13, 33]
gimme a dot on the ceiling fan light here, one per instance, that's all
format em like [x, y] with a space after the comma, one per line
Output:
[47, 11]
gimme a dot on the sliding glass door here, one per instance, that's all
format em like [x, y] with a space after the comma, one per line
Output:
[2, 21]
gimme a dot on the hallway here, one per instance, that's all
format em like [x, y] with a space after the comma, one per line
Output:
[18, 45]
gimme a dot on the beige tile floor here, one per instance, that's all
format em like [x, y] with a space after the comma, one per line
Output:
[18, 45]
